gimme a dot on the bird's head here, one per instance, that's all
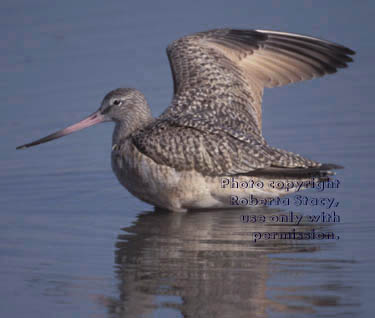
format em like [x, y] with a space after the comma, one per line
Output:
[117, 104]
[122, 105]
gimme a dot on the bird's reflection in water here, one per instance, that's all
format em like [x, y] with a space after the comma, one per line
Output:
[206, 264]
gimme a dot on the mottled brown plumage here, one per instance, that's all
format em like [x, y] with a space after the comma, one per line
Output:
[213, 127]
[214, 122]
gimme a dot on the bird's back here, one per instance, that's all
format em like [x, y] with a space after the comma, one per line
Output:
[212, 129]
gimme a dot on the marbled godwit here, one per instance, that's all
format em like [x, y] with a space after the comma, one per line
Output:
[212, 129]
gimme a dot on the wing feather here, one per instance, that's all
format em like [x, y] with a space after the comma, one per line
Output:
[213, 124]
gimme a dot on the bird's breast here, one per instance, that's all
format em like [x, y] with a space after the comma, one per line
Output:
[151, 182]
[165, 187]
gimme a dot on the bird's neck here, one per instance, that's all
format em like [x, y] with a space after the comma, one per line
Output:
[130, 124]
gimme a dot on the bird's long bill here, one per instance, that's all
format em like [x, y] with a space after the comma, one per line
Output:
[93, 119]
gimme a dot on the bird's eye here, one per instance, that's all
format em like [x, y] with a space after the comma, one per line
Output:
[116, 102]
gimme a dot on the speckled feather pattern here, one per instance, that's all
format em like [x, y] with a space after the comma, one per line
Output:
[213, 125]
[212, 129]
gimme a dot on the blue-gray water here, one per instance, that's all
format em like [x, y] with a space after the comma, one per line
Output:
[74, 243]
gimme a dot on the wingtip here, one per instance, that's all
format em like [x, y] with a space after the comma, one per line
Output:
[350, 51]
[330, 166]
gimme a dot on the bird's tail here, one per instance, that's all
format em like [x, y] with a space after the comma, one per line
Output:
[322, 171]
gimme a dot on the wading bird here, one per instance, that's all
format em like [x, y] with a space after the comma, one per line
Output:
[213, 127]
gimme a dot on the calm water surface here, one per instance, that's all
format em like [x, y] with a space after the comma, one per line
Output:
[74, 243]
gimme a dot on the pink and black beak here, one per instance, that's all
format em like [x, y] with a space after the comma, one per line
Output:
[91, 120]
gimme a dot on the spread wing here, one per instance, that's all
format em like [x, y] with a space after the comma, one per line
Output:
[214, 122]
[232, 67]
